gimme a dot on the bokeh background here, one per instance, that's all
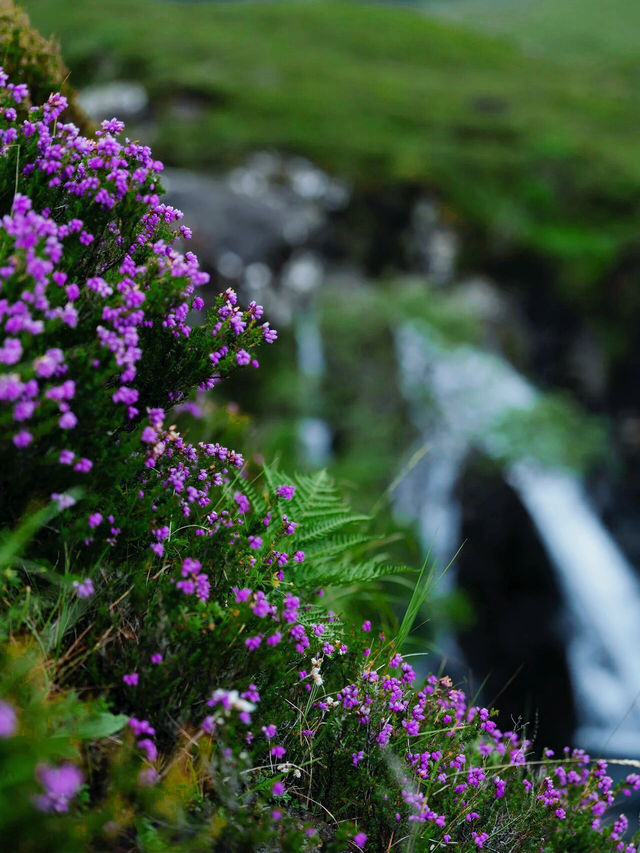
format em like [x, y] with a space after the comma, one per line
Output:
[438, 204]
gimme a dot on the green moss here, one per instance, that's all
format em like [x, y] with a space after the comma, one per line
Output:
[27, 57]
[555, 432]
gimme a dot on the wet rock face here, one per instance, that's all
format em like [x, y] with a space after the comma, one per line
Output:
[518, 638]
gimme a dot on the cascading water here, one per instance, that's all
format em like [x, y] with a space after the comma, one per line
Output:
[314, 433]
[458, 398]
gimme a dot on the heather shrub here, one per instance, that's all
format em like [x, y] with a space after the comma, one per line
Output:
[170, 677]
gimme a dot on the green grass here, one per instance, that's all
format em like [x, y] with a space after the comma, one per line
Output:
[533, 150]
[584, 32]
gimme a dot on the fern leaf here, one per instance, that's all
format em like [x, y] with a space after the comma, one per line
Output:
[345, 572]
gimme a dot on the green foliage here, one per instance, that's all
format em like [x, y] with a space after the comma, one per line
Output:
[332, 555]
[555, 432]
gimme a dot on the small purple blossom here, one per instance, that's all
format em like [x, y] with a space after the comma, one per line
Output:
[84, 589]
[8, 720]
[286, 492]
[22, 439]
[64, 501]
[242, 502]
[61, 784]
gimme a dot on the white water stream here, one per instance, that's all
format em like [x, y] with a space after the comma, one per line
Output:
[458, 398]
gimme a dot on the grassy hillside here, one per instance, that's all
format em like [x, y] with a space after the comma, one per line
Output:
[570, 31]
[537, 151]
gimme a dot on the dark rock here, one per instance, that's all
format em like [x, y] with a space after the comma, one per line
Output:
[517, 641]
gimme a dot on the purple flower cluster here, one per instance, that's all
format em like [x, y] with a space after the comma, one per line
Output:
[8, 720]
[288, 625]
[60, 785]
[82, 283]
[474, 763]
[143, 730]
[196, 583]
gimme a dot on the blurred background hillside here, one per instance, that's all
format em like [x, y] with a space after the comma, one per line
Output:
[439, 206]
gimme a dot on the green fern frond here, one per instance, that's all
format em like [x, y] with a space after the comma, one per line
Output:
[323, 550]
[320, 530]
[333, 555]
[345, 572]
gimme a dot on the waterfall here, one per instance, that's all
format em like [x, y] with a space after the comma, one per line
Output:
[314, 433]
[458, 397]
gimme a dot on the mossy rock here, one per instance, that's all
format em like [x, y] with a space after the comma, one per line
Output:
[29, 58]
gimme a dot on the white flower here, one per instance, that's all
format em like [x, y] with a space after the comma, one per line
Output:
[231, 699]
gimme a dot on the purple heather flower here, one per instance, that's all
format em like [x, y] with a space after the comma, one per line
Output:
[24, 410]
[289, 526]
[11, 351]
[360, 839]
[60, 783]
[517, 758]
[242, 594]
[243, 357]
[8, 720]
[242, 501]
[131, 679]
[19, 91]
[190, 566]
[23, 438]
[148, 777]
[84, 589]
[141, 727]
[149, 748]
[156, 658]
[366, 625]
[67, 421]
[286, 492]
[64, 501]
[269, 335]
[278, 789]
[298, 557]
[208, 725]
